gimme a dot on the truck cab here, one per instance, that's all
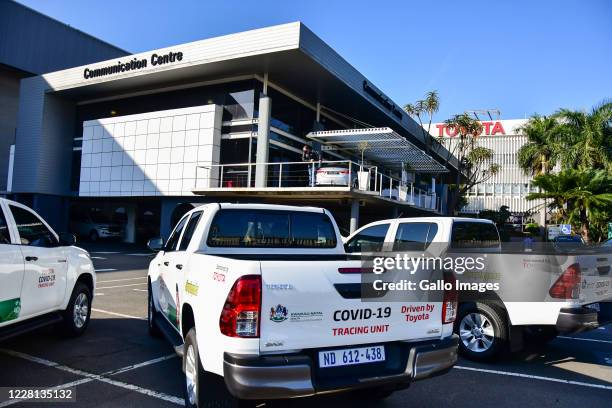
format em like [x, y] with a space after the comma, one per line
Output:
[44, 278]
[264, 299]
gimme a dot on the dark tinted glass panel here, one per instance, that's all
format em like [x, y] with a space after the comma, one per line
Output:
[474, 235]
[191, 226]
[412, 236]
[31, 229]
[172, 243]
[371, 239]
[271, 229]
[5, 237]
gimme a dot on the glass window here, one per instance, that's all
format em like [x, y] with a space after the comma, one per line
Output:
[32, 231]
[489, 189]
[5, 237]
[498, 189]
[271, 229]
[370, 239]
[172, 243]
[515, 189]
[191, 226]
[507, 189]
[474, 235]
[414, 236]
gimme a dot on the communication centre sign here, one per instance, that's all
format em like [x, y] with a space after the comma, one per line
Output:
[133, 65]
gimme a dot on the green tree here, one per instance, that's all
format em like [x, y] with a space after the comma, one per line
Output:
[541, 151]
[579, 196]
[425, 109]
[587, 137]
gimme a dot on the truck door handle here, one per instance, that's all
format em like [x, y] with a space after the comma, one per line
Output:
[179, 266]
[166, 263]
[31, 258]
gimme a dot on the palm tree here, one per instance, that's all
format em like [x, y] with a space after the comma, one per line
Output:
[429, 105]
[539, 155]
[587, 137]
[578, 195]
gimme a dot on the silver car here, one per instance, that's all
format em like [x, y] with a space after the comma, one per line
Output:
[335, 176]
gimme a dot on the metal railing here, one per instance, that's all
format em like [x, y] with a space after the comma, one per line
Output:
[342, 174]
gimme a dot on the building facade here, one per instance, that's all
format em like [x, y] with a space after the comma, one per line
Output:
[145, 136]
[32, 44]
[510, 185]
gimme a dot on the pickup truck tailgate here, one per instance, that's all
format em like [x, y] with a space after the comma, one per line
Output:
[311, 304]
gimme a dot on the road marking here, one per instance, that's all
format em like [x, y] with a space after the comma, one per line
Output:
[97, 257]
[89, 377]
[106, 270]
[120, 280]
[123, 286]
[149, 254]
[118, 314]
[536, 377]
[140, 290]
[583, 339]
[98, 294]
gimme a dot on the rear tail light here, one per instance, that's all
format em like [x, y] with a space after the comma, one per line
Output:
[321, 171]
[242, 310]
[344, 172]
[568, 284]
[450, 300]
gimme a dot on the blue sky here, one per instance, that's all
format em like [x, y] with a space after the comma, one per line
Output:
[519, 56]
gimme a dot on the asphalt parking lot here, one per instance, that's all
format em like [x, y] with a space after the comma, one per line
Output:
[116, 363]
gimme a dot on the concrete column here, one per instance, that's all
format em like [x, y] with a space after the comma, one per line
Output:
[130, 226]
[354, 216]
[263, 141]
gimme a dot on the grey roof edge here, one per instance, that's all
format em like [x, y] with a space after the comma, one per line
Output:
[70, 27]
[407, 123]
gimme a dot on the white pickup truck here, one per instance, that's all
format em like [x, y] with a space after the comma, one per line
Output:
[573, 291]
[263, 304]
[44, 278]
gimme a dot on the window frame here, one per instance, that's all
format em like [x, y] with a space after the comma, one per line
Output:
[184, 218]
[358, 232]
[17, 236]
[194, 214]
[428, 236]
[3, 216]
[289, 215]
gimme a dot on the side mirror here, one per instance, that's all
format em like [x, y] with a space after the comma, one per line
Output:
[67, 239]
[155, 244]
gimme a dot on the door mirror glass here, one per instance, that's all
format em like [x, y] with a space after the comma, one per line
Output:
[67, 239]
[155, 244]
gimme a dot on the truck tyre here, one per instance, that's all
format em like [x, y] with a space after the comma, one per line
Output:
[76, 315]
[152, 315]
[540, 335]
[483, 331]
[203, 389]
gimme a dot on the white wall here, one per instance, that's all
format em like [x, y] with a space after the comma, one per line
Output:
[149, 154]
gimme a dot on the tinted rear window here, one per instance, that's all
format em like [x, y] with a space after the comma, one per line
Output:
[271, 229]
[474, 235]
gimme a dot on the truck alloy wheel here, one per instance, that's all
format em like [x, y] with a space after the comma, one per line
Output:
[483, 330]
[476, 332]
[191, 375]
[80, 310]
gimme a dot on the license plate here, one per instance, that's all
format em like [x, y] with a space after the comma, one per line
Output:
[332, 173]
[353, 356]
[594, 306]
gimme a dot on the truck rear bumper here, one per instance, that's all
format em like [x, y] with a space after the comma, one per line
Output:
[298, 375]
[576, 320]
